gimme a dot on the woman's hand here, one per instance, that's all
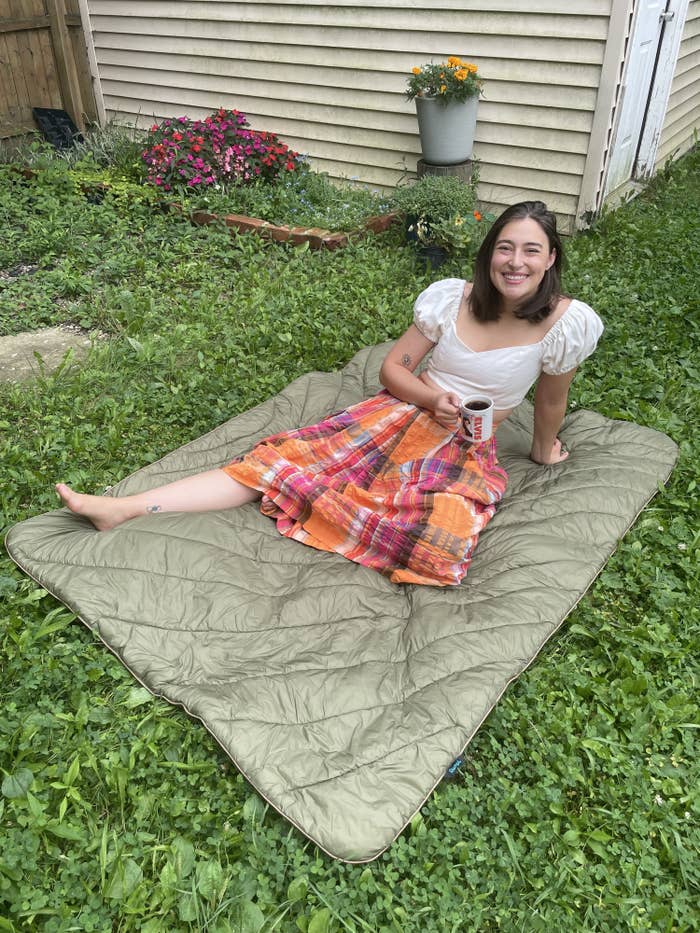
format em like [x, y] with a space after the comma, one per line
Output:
[446, 410]
[556, 455]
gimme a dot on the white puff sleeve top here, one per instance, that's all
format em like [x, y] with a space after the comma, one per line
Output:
[505, 374]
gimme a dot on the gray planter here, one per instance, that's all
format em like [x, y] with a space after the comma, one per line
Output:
[446, 131]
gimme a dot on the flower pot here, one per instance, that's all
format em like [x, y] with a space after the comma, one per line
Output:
[435, 255]
[446, 130]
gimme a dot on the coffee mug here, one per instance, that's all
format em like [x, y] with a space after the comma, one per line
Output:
[477, 418]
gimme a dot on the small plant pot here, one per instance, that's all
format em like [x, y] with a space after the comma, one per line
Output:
[433, 255]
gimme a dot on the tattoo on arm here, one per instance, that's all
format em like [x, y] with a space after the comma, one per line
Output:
[152, 508]
[406, 360]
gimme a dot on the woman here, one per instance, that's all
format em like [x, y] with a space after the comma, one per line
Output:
[393, 483]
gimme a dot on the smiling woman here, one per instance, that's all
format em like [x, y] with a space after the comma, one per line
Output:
[395, 482]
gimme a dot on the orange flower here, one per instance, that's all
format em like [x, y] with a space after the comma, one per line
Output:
[454, 61]
[461, 74]
[472, 68]
[477, 215]
[443, 88]
[416, 71]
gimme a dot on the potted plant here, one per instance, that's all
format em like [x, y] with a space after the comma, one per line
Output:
[432, 198]
[446, 96]
[458, 235]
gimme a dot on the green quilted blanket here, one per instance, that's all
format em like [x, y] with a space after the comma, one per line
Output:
[341, 697]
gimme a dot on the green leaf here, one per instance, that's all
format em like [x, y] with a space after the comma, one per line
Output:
[137, 696]
[17, 784]
[417, 825]
[251, 918]
[253, 809]
[127, 875]
[65, 831]
[187, 907]
[598, 848]
[634, 686]
[297, 890]
[210, 876]
[35, 595]
[571, 837]
[320, 921]
[35, 806]
[182, 857]
[73, 771]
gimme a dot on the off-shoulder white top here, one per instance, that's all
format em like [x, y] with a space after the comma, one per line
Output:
[506, 374]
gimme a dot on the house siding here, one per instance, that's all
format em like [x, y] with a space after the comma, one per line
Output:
[682, 118]
[330, 79]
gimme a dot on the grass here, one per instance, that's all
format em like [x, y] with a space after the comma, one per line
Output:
[577, 806]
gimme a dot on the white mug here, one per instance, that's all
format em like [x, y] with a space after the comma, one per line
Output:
[477, 418]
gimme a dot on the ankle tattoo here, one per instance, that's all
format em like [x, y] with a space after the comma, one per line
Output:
[153, 508]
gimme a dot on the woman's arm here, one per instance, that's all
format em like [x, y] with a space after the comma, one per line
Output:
[551, 396]
[397, 375]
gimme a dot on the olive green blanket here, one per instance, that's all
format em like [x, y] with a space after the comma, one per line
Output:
[343, 698]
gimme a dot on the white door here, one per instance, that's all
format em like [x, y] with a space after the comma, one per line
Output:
[672, 33]
[651, 58]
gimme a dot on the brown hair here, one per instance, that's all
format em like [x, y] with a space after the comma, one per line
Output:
[485, 299]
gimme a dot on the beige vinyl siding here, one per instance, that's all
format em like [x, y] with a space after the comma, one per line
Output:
[330, 78]
[682, 119]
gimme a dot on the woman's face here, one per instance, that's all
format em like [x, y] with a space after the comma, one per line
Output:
[520, 258]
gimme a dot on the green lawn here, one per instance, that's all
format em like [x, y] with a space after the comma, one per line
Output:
[577, 806]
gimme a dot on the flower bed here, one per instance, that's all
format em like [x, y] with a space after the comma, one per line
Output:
[218, 163]
[316, 237]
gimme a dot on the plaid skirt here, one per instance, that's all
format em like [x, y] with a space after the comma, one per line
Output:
[383, 484]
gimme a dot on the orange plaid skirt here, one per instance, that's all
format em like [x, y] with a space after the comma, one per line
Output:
[383, 484]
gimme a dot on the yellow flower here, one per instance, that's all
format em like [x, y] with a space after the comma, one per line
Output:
[471, 68]
[453, 61]
[461, 74]
[443, 88]
[416, 71]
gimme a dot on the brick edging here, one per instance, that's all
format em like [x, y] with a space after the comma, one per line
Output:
[316, 237]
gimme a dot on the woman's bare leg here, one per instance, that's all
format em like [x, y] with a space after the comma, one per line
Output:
[202, 492]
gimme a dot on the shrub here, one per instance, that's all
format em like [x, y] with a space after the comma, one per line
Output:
[435, 197]
[184, 154]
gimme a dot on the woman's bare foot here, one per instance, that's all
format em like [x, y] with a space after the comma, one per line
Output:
[104, 512]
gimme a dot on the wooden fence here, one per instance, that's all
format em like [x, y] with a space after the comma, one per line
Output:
[44, 62]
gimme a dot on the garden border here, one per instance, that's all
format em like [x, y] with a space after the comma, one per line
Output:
[316, 237]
